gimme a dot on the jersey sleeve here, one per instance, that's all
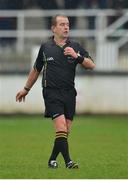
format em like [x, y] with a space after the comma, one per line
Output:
[83, 52]
[38, 65]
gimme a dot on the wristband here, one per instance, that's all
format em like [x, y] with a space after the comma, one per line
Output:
[27, 89]
[80, 58]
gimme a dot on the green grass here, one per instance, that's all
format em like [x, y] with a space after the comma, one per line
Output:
[98, 143]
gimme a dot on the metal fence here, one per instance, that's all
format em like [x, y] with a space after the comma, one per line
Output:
[105, 39]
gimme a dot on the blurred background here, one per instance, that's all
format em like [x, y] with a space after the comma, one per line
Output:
[99, 25]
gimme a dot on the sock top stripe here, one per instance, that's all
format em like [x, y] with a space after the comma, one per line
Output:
[61, 136]
[61, 132]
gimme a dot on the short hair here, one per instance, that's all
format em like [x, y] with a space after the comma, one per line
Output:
[54, 19]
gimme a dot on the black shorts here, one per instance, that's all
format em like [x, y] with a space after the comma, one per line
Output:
[58, 102]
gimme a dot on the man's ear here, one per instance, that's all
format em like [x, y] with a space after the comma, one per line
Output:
[52, 28]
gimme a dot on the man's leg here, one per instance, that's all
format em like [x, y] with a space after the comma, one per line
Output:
[61, 143]
[62, 128]
[69, 124]
[71, 164]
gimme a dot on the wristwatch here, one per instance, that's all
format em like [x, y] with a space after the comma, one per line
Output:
[80, 58]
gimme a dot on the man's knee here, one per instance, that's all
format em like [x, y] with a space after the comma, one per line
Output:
[60, 123]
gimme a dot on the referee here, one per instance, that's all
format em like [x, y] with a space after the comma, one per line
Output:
[58, 57]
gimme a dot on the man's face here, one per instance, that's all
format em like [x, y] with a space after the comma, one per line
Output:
[61, 29]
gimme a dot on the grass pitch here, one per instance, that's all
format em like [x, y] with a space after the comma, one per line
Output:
[98, 143]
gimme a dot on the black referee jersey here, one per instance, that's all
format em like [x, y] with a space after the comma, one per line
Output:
[58, 69]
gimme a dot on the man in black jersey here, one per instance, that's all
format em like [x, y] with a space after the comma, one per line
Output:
[58, 57]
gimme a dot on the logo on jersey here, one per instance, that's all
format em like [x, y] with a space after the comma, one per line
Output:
[50, 59]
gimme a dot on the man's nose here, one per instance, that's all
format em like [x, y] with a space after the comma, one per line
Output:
[66, 27]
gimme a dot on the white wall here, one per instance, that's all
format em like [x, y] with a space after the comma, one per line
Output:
[96, 94]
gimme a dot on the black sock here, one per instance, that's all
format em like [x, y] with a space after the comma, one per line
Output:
[61, 145]
[55, 150]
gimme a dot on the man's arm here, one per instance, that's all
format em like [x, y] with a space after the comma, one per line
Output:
[88, 63]
[32, 77]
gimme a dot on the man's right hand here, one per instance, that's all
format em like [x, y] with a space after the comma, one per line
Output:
[21, 95]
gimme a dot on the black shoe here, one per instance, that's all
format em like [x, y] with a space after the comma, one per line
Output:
[72, 165]
[53, 164]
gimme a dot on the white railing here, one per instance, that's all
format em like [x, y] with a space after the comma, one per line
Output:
[100, 33]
